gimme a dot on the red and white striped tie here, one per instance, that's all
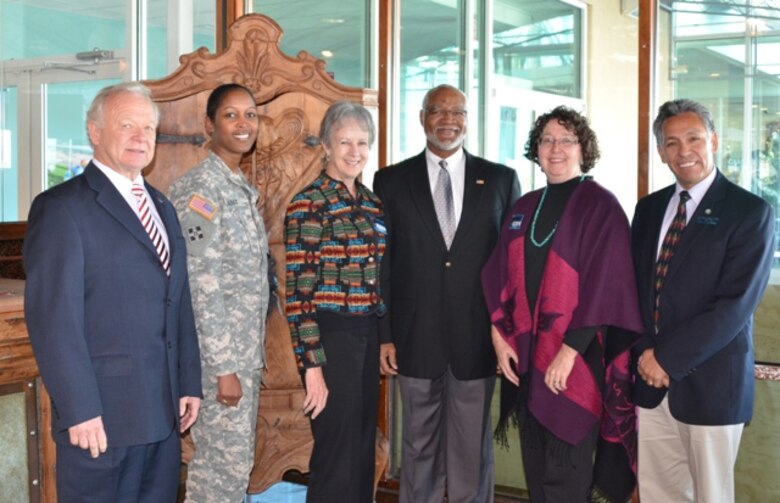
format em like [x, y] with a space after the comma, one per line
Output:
[151, 227]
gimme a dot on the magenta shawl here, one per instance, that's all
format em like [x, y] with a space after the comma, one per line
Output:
[588, 282]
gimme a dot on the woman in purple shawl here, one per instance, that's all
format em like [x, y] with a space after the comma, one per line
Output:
[561, 291]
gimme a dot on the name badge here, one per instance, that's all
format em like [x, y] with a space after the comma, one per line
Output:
[516, 222]
[379, 226]
[707, 220]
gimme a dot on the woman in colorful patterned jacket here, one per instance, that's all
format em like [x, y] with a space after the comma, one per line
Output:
[335, 240]
[561, 292]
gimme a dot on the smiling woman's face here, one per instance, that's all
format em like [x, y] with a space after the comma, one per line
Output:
[234, 129]
[560, 161]
[347, 150]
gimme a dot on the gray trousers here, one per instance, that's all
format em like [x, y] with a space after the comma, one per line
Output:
[447, 440]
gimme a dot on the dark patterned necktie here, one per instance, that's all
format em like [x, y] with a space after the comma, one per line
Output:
[667, 251]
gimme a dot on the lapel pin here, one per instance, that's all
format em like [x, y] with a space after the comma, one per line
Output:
[480, 181]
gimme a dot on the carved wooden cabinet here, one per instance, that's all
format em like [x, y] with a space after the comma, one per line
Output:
[292, 94]
[27, 464]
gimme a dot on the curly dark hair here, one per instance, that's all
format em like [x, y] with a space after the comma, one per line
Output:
[572, 121]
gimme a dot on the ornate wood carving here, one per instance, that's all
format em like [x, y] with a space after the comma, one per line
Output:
[18, 365]
[292, 95]
[11, 240]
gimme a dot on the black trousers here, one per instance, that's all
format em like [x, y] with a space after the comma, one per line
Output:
[556, 472]
[342, 460]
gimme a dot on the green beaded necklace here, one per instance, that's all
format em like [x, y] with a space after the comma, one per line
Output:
[536, 217]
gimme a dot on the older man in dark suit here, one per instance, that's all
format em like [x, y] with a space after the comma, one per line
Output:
[107, 304]
[444, 208]
[703, 249]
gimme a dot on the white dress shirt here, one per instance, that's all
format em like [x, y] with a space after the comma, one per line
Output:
[125, 187]
[697, 194]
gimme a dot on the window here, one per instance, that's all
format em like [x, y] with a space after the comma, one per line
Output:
[55, 56]
[536, 53]
[533, 65]
[337, 31]
[726, 55]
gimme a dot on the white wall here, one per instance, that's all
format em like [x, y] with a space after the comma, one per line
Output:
[612, 88]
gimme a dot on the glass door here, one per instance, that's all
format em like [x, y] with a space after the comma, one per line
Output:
[42, 122]
[9, 163]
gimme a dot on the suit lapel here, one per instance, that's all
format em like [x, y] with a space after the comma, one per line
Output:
[113, 202]
[420, 189]
[168, 217]
[472, 196]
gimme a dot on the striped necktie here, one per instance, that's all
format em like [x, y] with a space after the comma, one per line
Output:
[442, 201]
[671, 239]
[145, 213]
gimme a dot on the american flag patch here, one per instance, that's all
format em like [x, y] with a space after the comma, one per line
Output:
[203, 207]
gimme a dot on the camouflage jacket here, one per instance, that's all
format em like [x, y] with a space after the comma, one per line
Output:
[227, 251]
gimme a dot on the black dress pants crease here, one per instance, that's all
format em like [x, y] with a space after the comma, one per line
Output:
[555, 471]
[342, 460]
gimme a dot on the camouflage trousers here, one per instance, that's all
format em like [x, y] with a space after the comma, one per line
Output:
[224, 440]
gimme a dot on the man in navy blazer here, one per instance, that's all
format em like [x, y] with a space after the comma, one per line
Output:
[437, 336]
[694, 385]
[110, 319]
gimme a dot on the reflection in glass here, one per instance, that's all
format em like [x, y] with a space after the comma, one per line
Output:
[431, 48]
[537, 45]
[67, 149]
[336, 31]
[726, 55]
[536, 67]
[41, 29]
[9, 156]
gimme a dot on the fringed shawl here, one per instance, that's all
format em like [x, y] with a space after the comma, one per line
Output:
[588, 282]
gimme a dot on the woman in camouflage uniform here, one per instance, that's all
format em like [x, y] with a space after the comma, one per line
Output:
[227, 252]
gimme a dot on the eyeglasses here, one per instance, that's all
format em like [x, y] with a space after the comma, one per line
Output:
[565, 142]
[458, 113]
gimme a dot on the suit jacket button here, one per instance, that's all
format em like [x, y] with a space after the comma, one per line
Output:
[170, 345]
[448, 264]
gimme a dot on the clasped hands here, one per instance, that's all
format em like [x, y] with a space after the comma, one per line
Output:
[651, 371]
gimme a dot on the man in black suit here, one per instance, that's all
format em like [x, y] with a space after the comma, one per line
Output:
[698, 289]
[107, 305]
[444, 208]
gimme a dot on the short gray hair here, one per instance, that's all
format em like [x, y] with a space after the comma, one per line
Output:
[96, 109]
[677, 107]
[341, 111]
